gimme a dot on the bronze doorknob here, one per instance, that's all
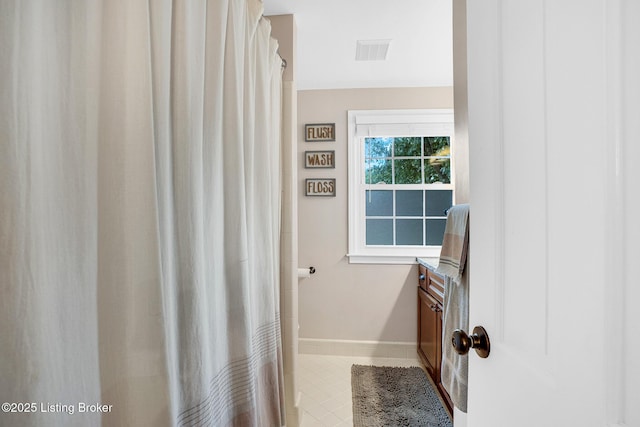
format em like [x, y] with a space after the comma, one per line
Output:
[479, 341]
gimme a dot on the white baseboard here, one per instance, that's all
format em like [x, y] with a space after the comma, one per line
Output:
[405, 350]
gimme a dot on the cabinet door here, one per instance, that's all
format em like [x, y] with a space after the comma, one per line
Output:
[430, 331]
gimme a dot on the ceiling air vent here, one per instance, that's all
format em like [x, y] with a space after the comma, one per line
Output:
[372, 50]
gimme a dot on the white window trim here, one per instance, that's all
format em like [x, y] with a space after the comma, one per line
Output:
[375, 123]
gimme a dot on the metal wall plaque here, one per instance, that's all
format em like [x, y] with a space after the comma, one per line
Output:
[325, 187]
[319, 159]
[317, 132]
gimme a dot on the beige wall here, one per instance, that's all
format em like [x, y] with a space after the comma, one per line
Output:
[283, 29]
[343, 301]
[461, 109]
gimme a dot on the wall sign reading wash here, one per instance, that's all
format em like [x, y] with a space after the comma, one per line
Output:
[319, 159]
[320, 187]
[320, 132]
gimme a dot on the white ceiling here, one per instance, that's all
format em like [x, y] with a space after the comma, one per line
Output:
[420, 53]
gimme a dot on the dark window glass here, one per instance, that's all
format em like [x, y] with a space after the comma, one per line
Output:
[437, 202]
[435, 231]
[409, 232]
[409, 203]
[379, 203]
[379, 232]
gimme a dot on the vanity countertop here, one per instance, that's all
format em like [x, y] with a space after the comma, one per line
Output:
[431, 263]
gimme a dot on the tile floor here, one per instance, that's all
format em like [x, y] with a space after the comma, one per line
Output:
[325, 386]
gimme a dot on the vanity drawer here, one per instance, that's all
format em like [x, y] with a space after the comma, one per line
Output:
[431, 282]
[435, 285]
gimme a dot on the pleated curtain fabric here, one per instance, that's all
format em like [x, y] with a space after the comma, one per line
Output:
[140, 213]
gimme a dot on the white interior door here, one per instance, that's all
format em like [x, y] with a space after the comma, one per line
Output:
[554, 117]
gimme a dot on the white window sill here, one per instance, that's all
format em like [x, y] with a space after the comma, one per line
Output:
[384, 259]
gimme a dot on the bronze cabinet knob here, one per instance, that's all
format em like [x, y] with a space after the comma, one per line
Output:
[479, 341]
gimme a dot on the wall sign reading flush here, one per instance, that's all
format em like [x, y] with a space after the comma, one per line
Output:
[320, 132]
[320, 187]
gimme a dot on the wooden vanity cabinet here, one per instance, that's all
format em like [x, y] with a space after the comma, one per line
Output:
[430, 328]
[430, 313]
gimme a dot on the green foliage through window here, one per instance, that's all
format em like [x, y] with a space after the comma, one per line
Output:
[408, 160]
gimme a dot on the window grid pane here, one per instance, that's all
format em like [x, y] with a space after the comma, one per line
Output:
[435, 231]
[407, 147]
[379, 203]
[379, 232]
[407, 171]
[437, 159]
[409, 232]
[409, 203]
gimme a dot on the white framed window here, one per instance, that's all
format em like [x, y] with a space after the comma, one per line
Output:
[400, 183]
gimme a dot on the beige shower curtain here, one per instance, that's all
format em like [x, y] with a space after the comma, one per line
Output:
[139, 214]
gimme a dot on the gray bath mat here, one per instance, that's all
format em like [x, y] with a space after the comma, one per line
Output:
[386, 397]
